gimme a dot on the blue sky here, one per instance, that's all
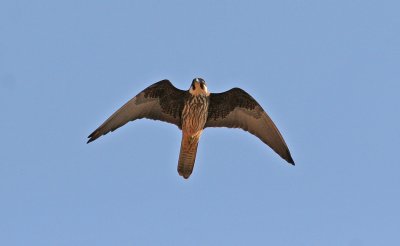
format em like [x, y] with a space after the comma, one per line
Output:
[326, 71]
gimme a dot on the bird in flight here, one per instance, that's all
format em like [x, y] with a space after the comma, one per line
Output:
[193, 111]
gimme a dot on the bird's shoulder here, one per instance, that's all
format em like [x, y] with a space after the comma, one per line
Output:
[221, 104]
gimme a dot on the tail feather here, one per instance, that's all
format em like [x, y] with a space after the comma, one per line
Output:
[187, 155]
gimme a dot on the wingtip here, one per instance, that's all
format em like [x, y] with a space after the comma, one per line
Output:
[90, 138]
[93, 136]
[288, 157]
[290, 160]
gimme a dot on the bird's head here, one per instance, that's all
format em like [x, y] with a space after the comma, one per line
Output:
[199, 87]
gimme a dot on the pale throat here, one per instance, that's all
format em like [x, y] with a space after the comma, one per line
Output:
[199, 91]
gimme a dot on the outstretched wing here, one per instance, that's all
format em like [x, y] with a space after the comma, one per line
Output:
[237, 109]
[160, 101]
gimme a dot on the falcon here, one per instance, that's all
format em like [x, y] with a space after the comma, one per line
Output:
[194, 110]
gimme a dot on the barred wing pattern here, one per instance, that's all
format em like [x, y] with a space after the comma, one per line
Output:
[160, 101]
[237, 109]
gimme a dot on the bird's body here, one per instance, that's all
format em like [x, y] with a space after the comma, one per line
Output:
[194, 118]
[194, 110]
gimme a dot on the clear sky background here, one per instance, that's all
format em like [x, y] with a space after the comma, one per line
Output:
[326, 71]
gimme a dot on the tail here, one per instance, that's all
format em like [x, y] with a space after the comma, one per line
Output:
[187, 156]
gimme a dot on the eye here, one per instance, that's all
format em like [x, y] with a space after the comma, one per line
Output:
[193, 87]
[202, 85]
